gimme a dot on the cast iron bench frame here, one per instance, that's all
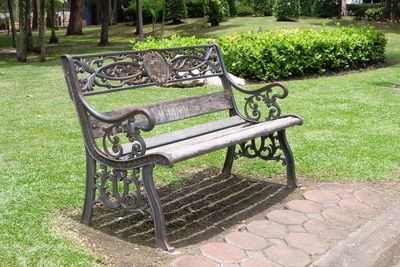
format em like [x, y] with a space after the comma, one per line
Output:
[115, 162]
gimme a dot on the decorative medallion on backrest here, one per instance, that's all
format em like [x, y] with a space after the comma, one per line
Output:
[101, 73]
[156, 67]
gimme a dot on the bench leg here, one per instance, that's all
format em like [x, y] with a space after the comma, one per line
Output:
[90, 190]
[229, 161]
[290, 168]
[157, 211]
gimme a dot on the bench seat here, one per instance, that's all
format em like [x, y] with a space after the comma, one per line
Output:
[200, 143]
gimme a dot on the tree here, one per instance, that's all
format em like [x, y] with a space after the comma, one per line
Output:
[392, 7]
[105, 8]
[42, 28]
[139, 19]
[175, 10]
[75, 18]
[265, 7]
[214, 10]
[287, 10]
[154, 6]
[35, 14]
[343, 11]
[12, 20]
[23, 34]
[53, 38]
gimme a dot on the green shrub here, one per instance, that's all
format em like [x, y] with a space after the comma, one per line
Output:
[287, 10]
[244, 10]
[358, 10]
[194, 8]
[371, 12]
[326, 8]
[175, 10]
[376, 14]
[306, 7]
[272, 55]
[265, 7]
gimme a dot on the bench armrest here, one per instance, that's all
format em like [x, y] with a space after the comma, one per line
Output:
[121, 126]
[267, 95]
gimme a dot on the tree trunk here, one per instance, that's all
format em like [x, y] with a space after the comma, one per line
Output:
[139, 19]
[113, 12]
[53, 38]
[105, 7]
[12, 20]
[75, 19]
[392, 6]
[28, 24]
[343, 8]
[42, 28]
[35, 14]
[163, 22]
[22, 38]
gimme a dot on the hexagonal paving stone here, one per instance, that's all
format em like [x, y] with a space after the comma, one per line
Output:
[267, 229]
[287, 217]
[259, 263]
[356, 208]
[337, 188]
[371, 198]
[324, 229]
[222, 252]
[306, 206]
[307, 242]
[193, 261]
[246, 240]
[321, 196]
[341, 218]
[287, 256]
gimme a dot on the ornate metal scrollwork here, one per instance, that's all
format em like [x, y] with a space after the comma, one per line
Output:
[266, 149]
[135, 68]
[120, 188]
[252, 107]
[136, 148]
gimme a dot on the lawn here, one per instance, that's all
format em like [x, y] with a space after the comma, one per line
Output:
[351, 132]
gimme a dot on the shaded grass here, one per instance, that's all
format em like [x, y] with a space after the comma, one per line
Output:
[351, 132]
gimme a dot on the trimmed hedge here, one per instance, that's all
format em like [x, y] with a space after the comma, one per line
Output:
[271, 55]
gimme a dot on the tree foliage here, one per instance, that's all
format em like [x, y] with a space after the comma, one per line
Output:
[287, 10]
[326, 8]
[175, 10]
[265, 7]
[216, 11]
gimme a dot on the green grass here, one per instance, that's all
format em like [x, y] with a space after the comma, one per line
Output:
[351, 132]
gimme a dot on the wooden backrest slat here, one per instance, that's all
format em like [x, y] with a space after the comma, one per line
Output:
[173, 110]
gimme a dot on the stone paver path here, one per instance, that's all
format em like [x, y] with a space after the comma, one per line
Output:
[294, 236]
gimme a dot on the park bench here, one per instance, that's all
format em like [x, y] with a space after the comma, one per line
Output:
[116, 149]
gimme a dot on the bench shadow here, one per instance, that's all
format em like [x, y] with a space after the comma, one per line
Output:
[199, 210]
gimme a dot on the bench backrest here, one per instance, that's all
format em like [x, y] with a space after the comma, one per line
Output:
[105, 73]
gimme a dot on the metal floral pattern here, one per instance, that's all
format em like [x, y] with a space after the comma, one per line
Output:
[266, 149]
[112, 137]
[120, 188]
[99, 73]
[266, 97]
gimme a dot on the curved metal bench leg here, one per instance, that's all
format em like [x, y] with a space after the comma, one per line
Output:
[90, 192]
[290, 168]
[157, 211]
[229, 161]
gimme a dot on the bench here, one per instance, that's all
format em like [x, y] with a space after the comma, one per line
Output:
[116, 149]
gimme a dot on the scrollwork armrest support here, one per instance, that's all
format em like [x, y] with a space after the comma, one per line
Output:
[121, 125]
[265, 94]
